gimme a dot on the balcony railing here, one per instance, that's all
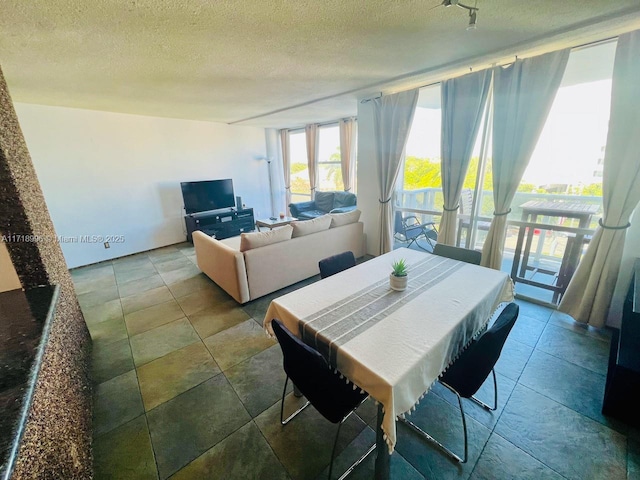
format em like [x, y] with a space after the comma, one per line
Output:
[543, 270]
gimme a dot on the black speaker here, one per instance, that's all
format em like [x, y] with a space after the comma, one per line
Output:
[239, 203]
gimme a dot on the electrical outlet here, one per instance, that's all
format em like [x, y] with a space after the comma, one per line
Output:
[106, 245]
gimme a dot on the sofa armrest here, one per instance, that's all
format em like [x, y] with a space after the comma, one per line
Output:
[296, 208]
[222, 264]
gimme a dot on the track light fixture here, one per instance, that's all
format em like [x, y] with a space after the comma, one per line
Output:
[473, 11]
[472, 19]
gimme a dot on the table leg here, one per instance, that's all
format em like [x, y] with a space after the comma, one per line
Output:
[527, 248]
[296, 391]
[382, 451]
[516, 255]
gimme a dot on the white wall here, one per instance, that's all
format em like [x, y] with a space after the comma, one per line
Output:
[367, 178]
[8, 277]
[116, 174]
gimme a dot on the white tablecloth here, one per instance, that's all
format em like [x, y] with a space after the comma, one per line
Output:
[394, 345]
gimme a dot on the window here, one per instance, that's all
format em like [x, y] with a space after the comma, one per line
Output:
[419, 182]
[300, 185]
[329, 162]
[566, 165]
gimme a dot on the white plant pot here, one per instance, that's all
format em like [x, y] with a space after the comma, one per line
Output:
[398, 283]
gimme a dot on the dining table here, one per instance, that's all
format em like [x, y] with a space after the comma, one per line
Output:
[394, 344]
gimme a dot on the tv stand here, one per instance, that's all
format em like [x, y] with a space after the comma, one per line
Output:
[221, 224]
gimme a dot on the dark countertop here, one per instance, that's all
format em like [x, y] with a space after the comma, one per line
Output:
[25, 320]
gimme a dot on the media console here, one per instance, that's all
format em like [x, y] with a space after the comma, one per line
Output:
[622, 387]
[221, 224]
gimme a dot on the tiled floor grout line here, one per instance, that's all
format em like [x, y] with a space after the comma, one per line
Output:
[492, 431]
[252, 419]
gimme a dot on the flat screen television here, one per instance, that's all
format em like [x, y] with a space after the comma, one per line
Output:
[207, 195]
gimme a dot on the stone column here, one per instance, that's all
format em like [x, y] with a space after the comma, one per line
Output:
[57, 439]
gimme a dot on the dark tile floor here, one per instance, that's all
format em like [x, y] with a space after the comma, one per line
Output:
[188, 386]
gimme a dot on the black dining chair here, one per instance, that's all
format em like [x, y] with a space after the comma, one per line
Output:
[336, 263]
[323, 388]
[457, 253]
[465, 376]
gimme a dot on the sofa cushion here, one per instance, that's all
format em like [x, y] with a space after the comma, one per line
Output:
[308, 214]
[249, 241]
[307, 227]
[324, 201]
[343, 199]
[339, 219]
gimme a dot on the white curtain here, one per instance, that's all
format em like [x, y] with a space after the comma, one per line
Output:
[463, 102]
[523, 93]
[347, 152]
[286, 166]
[589, 294]
[392, 117]
[311, 134]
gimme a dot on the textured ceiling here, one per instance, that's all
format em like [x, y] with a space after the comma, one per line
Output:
[228, 61]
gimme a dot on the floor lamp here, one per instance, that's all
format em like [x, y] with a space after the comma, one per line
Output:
[273, 214]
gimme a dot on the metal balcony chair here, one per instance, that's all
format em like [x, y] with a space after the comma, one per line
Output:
[467, 374]
[466, 202]
[410, 229]
[457, 253]
[324, 389]
[336, 263]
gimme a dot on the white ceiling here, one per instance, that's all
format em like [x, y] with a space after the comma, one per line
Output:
[239, 61]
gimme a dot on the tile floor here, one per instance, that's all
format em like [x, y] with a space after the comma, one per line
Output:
[188, 386]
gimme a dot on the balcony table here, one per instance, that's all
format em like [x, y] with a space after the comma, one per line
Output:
[530, 212]
[393, 345]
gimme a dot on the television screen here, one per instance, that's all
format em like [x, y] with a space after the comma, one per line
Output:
[207, 195]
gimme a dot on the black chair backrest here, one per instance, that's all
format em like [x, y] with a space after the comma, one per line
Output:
[309, 371]
[467, 374]
[336, 263]
[457, 253]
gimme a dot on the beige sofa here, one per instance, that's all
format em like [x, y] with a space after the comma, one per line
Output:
[259, 270]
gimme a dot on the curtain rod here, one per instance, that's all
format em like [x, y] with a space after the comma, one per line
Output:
[365, 87]
[576, 48]
[324, 124]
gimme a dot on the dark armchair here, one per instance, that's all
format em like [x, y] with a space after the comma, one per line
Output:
[324, 202]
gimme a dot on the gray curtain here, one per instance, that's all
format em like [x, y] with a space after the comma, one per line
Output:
[463, 102]
[523, 94]
[311, 135]
[286, 166]
[589, 294]
[392, 117]
[347, 152]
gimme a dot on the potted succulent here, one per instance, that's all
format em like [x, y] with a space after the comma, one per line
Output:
[398, 277]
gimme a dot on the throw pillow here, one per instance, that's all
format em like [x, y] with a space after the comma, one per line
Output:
[261, 239]
[307, 227]
[339, 219]
[324, 201]
[343, 199]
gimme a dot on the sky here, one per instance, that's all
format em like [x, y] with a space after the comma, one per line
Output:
[568, 148]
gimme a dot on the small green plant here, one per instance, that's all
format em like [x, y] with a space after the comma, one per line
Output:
[400, 268]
